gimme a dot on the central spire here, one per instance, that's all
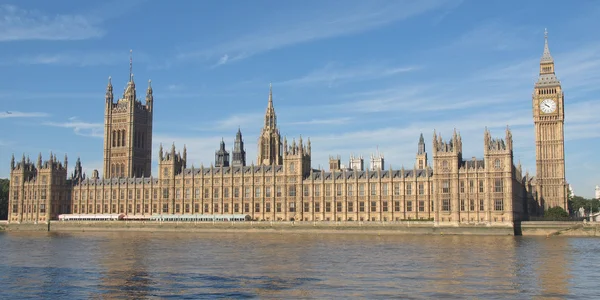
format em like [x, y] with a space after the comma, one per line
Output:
[270, 116]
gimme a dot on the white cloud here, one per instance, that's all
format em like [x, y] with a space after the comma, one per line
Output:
[19, 24]
[341, 21]
[80, 127]
[331, 74]
[19, 114]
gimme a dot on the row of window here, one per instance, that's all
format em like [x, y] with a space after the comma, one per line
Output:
[258, 207]
[470, 205]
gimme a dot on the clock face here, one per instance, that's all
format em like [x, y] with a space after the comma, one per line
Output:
[548, 106]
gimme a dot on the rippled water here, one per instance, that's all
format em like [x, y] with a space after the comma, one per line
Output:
[108, 265]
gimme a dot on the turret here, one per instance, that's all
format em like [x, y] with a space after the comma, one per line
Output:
[109, 92]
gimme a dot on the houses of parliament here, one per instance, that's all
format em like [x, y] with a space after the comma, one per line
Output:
[443, 185]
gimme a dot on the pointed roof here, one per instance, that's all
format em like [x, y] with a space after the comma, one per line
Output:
[421, 139]
[546, 56]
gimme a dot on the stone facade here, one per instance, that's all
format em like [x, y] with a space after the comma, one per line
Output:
[283, 185]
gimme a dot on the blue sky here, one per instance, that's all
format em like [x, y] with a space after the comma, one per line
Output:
[353, 76]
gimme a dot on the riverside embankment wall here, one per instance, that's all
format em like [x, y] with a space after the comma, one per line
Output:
[422, 228]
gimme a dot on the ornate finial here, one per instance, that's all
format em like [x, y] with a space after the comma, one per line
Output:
[546, 33]
[131, 65]
[109, 80]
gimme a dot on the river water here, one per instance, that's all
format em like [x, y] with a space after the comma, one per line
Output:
[142, 265]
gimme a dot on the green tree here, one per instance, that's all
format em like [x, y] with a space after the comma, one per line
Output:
[577, 202]
[556, 213]
[4, 183]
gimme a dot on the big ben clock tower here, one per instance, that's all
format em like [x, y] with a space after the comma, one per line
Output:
[548, 119]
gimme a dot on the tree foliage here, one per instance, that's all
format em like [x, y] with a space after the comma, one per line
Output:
[577, 202]
[556, 213]
[4, 183]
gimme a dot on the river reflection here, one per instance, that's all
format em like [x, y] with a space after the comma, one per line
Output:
[143, 265]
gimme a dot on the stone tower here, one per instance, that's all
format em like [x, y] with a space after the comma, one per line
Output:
[421, 154]
[357, 163]
[222, 156]
[238, 154]
[128, 132]
[548, 119]
[447, 157]
[377, 161]
[269, 143]
[335, 163]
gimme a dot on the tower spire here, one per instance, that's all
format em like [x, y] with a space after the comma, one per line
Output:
[270, 94]
[130, 64]
[546, 57]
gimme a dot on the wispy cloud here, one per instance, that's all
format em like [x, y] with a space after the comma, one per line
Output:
[324, 121]
[80, 127]
[342, 21]
[333, 74]
[496, 35]
[76, 58]
[20, 24]
[19, 114]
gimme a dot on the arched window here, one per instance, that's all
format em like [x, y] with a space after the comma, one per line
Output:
[123, 138]
[497, 164]
[117, 170]
[114, 138]
[112, 169]
[122, 170]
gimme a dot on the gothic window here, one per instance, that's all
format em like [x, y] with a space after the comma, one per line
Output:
[123, 138]
[267, 192]
[122, 170]
[114, 138]
[497, 164]
[292, 191]
[408, 205]
[165, 171]
[292, 168]
[445, 187]
[498, 185]
[446, 204]
[498, 204]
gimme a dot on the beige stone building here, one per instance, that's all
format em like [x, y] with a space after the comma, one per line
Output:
[450, 189]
